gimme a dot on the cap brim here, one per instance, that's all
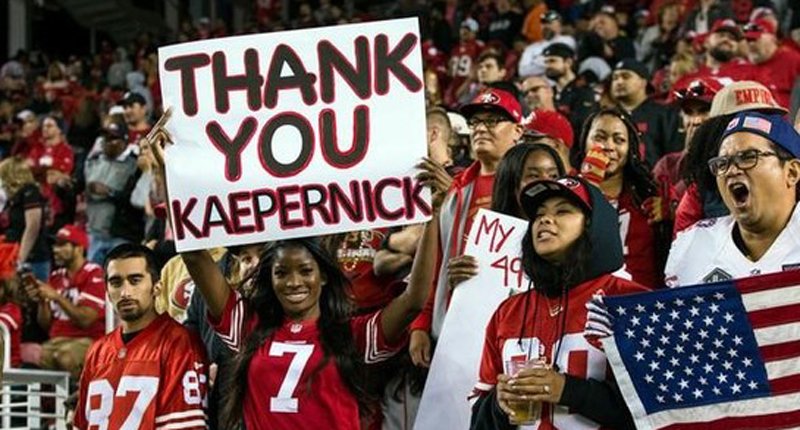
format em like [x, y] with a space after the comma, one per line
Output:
[471, 109]
[531, 198]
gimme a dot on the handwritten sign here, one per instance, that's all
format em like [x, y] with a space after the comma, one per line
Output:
[495, 241]
[296, 133]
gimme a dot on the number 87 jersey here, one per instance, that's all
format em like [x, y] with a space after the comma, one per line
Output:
[157, 380]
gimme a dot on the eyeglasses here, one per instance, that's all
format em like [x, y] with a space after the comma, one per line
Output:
[751, 27]
[744, 160]
[489, 122]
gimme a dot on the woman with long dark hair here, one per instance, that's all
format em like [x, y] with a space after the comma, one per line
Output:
[299, 349]
[629, 186]
[569, 257]
[522, 164]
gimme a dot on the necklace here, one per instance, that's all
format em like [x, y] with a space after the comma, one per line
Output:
[553, 309]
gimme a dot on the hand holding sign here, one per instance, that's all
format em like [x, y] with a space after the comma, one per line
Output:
[433, 175]
[157, 139]
[460, 269]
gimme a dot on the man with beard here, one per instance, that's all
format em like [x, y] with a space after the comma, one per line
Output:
[150, 372]
[778, 67]
[71, 305]
[573, 100]
[757, 171]
[658, 124]
[531, 62]
[721, 59]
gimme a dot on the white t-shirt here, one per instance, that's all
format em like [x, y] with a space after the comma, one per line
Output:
[531, 62]
[706, 253]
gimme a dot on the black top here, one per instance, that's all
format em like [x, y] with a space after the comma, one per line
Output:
[28, 197]
[659, 126]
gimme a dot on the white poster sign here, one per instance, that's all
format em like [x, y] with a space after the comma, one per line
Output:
[495, 241]
[297, 133]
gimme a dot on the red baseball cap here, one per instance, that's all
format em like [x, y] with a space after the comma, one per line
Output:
[754, 29]
[728, 26]
[497, 100]
[535, 193]
[552, 124]
[700, 90]
[73, 234]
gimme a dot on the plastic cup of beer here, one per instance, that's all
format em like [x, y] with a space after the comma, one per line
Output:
[528, 411]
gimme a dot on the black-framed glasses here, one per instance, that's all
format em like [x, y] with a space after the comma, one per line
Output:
[489, 122]
[752, 27]
[744, 160]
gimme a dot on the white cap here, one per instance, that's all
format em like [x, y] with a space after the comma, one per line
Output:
[116, 110]
[25, 115]
[458, 123]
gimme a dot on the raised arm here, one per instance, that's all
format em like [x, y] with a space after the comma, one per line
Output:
[205, 273]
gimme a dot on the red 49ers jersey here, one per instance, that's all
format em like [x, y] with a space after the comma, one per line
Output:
[289, 385]
[460, 65]
[540, 337]
[155, 381]
[638, 242]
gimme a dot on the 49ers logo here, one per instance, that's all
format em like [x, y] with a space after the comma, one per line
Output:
[490, 98]
[182, 294]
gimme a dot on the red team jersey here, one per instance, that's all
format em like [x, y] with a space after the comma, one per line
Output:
[11, 317]
[779, 73]
[638, 242]
[289, 387]
[86, 288]
[540, 338]
[459, 67]
[155, 381]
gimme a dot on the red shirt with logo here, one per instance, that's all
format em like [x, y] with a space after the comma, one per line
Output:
[157, 380]
[291, 384]
[85, 288]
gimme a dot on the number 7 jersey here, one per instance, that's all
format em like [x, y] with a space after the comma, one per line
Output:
[155, 381]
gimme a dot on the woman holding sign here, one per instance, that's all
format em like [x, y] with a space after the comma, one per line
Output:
[537, 368]
[299, 349]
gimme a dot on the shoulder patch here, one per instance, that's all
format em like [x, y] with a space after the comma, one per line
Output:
[717, 275]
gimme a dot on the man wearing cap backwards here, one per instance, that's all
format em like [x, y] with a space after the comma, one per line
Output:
[721, 58]
[107, 173]
[572, 99]
[494, 118]
[757, 171]
[778, 67]
[658, 124]
[71, 305]
[461, 60]
[531, 62]
[136, 116]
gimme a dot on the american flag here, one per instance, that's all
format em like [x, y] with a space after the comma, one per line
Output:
[723, 355]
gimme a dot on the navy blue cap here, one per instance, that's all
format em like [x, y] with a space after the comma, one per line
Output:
[772, 127]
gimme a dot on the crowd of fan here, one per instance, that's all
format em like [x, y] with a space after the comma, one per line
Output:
[75, 183]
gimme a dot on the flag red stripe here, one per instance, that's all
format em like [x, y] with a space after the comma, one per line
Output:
[772, 281]
[760, 422]
[775, 316]
[780, 351]
[788, 384]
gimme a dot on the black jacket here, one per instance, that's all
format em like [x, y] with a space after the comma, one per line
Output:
[599, 401]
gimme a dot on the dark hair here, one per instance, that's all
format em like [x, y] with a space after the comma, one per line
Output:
[335, 334]
[134, 250]
[491, 53]
[509, 174]
[703, 146]
[553, 280]
[636, 173]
